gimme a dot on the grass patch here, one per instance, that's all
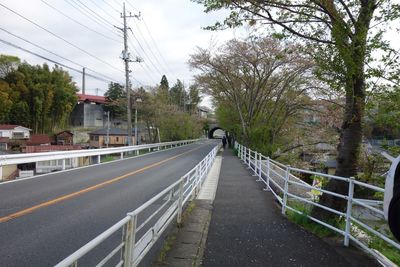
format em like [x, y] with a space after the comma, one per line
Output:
[107, 158]
[386, 249]
[167, 246]
[305, 222]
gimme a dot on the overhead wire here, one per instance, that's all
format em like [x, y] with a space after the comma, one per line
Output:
[105, 12]
[148, 71]
[94, 13]
[87, 15]
[112, 7]
[59, 37]
[55, 54]
[147, 56]
[149, 48]
[81, 24]
[55, 62]
[156, 46]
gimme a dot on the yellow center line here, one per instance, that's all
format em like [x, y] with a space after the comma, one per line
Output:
[86, 190]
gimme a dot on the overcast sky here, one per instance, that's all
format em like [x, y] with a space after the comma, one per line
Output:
[164, 37]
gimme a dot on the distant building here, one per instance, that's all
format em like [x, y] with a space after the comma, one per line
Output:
[89, 111]
[64, 138]
[39, 140]
[203, 112]
[14, 131]
[117, 137]
[13, 136]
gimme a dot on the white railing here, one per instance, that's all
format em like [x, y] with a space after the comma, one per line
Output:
[142, 227]
[284, 185]
[12, 159]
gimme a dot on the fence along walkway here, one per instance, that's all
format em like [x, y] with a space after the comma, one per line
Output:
[247, 229]
[288, 189]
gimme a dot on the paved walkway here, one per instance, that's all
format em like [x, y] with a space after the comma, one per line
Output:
[247, 229]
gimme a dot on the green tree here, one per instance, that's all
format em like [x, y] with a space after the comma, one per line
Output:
[263, 82]
[115, 99]
[340, 29]
[163, 90]
[42, 99]
[177, 94]
[8, 64]
[194, 98]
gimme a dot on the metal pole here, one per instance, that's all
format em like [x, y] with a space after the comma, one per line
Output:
[83, 80]
[127, 83]
[180, 202]
[255, 163]
[108, 128]
[348, 212]
[285, 190]
[136, 137]
[268, 174]
[129, 240]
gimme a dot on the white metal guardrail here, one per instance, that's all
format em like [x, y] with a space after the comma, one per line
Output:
[11, 159]
[141, 228]
[284, 185]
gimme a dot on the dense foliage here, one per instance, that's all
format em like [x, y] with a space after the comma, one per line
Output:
[36, 97]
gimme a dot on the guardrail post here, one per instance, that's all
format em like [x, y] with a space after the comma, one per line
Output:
[285, 190]
[129, 240]
[248, 163]
[267, 188]
[348, 212]
[62, 167]
[180, 202]
[1, 172]
[98, 159]
[122, 155]
[259, 167]
[255, 163]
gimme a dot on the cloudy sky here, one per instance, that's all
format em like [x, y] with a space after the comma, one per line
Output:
[164, 37]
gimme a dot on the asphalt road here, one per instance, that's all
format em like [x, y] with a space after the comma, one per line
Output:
[43, 220]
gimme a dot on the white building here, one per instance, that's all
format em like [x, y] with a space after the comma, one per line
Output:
[14, 131]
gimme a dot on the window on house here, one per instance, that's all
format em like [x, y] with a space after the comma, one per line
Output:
[117, 139]
[18, 135]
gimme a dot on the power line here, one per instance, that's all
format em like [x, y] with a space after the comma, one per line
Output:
[55, 62]
[59, 37]
[76, 21]
[144, 52]
[94, 13]
[105, 11]
[55, 54]
[111, 6]
[149, 48]
[86, 14]
[155, 44]
[148, 71]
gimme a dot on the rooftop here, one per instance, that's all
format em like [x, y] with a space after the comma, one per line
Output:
[113, 131]
[91, 98]
[10, 126]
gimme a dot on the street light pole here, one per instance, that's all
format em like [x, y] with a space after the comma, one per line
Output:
[136, 137]
[138, 100]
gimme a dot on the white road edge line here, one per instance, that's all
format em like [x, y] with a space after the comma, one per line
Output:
[209, 188]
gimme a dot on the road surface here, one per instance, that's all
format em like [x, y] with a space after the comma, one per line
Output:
[45, 219]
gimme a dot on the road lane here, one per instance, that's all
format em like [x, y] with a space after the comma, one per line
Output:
[47, 235]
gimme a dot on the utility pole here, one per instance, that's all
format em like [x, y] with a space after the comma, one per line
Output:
[126, 58]
[83, 80]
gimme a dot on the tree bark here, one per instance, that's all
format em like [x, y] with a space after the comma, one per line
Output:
[348, 152]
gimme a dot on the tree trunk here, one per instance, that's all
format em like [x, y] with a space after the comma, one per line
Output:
[348, 151]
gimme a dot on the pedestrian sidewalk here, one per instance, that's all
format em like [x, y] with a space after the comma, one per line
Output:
[247, 228]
